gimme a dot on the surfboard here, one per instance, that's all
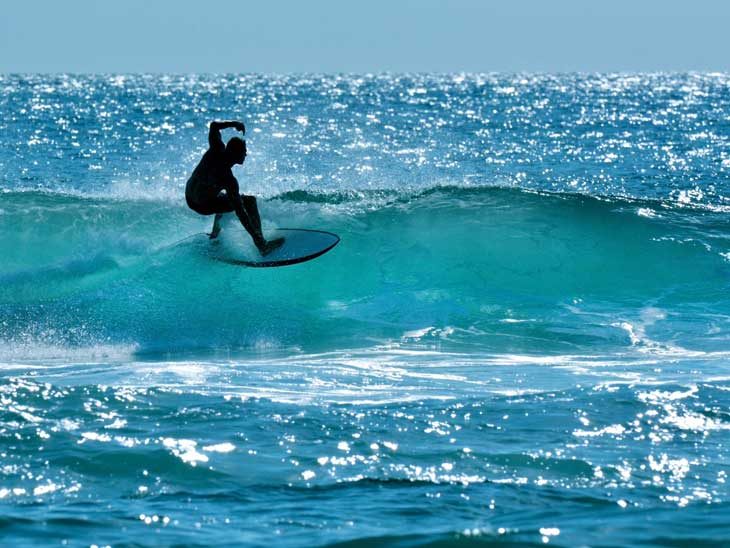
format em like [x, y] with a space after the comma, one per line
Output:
[300, 245]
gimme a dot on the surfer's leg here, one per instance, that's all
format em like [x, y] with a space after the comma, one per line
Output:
[216, 226]
[252, 210]
[246, 220]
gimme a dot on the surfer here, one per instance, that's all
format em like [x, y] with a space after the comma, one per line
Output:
[213, 190]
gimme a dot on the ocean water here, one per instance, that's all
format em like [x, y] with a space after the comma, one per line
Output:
[523, 337]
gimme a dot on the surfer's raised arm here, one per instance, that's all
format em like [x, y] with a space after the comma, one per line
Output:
[214, 135]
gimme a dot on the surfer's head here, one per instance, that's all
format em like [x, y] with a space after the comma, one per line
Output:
[236, 150]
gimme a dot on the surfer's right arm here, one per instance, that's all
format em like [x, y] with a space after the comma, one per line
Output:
[214, 135]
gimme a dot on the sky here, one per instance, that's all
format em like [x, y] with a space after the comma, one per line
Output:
[284, 36]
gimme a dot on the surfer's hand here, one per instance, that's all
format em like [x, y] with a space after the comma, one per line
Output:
[240, 127]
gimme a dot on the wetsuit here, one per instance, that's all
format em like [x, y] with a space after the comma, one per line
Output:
[212, 176]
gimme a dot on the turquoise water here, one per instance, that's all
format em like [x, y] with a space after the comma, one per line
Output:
[522, 337]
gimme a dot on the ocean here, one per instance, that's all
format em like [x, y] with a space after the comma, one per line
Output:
[523, 337]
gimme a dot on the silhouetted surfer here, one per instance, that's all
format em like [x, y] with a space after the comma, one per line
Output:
[212, 188]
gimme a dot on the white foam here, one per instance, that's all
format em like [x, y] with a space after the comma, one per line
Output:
[30, 353]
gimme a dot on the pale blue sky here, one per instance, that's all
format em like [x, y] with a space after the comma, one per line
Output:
[374, 36]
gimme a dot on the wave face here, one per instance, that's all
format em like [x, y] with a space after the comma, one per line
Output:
[522, 333]
[477, 269]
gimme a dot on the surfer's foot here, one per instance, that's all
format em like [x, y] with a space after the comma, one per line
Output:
[271, 245]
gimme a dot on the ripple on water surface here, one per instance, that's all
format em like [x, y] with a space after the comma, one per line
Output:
[251, 451]
[539, 364]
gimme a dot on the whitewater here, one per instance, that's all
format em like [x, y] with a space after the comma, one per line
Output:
[523, 336]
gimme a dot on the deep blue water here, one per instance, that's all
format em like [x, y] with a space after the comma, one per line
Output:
[522, 338]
